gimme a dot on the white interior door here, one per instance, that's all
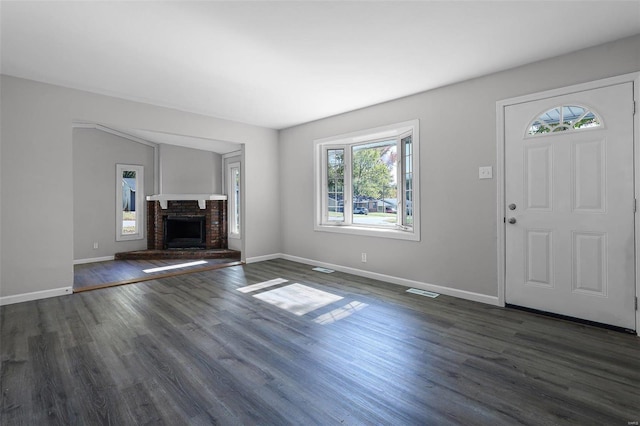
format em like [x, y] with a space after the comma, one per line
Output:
[570, 194]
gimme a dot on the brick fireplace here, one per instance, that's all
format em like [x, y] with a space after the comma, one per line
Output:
[212, 212]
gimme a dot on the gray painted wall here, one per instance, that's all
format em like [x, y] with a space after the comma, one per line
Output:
[189, 171]
[458, 247]
[458, 134]
[95, 155]
[37, 170]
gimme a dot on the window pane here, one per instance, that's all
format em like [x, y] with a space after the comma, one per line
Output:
[408, 219]
[589, 120]
[571, 113]
[335, 185]
[129, 186]
[563, 118]
[374, 183]
[235, 222]
[407, 164]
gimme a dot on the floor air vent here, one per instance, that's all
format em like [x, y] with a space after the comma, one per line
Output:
[325, 270]
[423, 292]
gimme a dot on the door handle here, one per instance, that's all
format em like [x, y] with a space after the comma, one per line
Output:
[512, 220]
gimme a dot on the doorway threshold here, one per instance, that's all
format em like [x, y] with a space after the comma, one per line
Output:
[571, 319]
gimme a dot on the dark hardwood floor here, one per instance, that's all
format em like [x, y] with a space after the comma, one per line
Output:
[89, 276]
[194, 349]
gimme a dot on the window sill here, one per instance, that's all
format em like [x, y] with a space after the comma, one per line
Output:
[396, 234]
[130, 237]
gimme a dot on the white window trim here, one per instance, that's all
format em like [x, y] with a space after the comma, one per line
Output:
[140, 202]
[396, 130]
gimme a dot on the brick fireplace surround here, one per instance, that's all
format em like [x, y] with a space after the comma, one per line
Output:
[215, 213]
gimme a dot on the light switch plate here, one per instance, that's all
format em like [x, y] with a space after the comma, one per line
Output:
[485, 172]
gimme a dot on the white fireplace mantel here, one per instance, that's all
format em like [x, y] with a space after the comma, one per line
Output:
[200, 198]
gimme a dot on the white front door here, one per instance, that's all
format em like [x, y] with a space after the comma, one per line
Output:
[570, 195]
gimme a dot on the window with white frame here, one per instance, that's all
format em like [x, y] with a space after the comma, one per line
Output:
[129, 202]
[233, 199]
[367, 182]
[564, 118]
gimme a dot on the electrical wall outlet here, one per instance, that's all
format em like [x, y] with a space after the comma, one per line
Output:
[95, 245]
[364, 257]
[485, 172]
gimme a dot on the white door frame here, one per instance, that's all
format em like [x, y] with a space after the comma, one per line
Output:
[226, 160]
[500, 164]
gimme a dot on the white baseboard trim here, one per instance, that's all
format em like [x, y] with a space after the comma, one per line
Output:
[93, 260]
[263, 258]
[36, 295]
[462, 294]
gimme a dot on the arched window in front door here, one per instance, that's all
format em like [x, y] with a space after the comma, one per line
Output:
[562, 119]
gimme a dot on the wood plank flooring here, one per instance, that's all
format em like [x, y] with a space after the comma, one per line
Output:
[192, 349]
[90, 276]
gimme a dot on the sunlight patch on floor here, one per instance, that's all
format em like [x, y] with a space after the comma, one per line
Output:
[177, 266]
[340, 313]
[297, 298]
[259, 286]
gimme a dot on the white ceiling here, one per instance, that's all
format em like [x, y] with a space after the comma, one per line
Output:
[278, 64]
[221, 147]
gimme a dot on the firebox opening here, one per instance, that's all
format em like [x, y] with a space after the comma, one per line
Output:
[184, 232]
